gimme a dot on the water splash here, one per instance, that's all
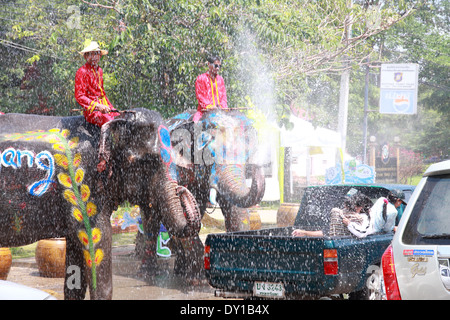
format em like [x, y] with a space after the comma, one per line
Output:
[255, 74]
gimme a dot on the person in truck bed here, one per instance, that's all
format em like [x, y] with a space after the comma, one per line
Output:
[355, 211]
[381, 217]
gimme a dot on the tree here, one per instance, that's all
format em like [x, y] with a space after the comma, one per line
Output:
[45, 37]
[284, 55]
[422, 38]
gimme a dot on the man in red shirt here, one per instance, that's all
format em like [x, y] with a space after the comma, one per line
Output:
[90, 94]
[210, 89]
[89, 91]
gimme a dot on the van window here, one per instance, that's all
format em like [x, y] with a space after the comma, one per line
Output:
[429, 222]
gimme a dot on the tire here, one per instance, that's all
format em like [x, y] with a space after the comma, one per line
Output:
[373, 289]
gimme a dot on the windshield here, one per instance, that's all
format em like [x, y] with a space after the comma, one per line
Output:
[429, 221]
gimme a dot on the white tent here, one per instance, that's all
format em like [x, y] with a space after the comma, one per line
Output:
[304, 134]
[313, 150]
[300, 139]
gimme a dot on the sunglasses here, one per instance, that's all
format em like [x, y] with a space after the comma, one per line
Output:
[217, 66]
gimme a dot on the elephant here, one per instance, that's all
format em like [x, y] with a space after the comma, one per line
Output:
[50, 187]
[219, 152]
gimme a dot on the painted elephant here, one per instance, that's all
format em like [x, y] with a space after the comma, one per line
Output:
[50, 187]
[218, 152]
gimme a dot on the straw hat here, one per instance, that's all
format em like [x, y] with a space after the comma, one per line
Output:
[93, 46]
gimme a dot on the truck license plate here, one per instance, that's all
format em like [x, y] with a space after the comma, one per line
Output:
[268, 289]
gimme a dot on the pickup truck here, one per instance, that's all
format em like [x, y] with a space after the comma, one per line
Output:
[270, 263]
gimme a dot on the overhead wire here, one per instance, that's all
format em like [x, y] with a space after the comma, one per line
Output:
[25, 48]
[11, 12]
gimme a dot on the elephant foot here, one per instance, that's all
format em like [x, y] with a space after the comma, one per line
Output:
[192, 284]
[189, 260]
[150, 268]
[151, 271]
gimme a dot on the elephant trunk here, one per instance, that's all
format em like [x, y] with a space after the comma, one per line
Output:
[182, 216]
[231, 185]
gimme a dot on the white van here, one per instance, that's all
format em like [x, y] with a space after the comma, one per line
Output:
[417, 263]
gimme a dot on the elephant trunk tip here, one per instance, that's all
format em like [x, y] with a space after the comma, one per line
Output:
[184, 210]
[233, 187]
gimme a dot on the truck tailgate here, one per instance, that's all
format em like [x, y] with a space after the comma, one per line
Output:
[270, 255]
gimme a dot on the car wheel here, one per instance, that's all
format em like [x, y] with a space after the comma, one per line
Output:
[373, 289]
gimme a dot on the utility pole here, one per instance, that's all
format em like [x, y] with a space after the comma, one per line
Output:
[366, 111]
[343, 107]
[344, 90]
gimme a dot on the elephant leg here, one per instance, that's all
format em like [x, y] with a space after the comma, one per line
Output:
[148, 245]
[236, 219]
[75, 284]
[104, 269]
[189, 257]
[102, 262]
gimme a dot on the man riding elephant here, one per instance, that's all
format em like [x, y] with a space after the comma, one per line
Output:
[214, 150]
[90, 93]
[208, 95]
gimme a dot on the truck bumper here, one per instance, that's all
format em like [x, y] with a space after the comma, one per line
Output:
[232, 294]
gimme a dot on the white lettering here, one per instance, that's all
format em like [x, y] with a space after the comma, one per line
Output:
[43, 160]
[246, 309]
[197, 310]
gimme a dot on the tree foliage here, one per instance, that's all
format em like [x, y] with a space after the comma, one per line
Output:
[422, 38]
[285, 56]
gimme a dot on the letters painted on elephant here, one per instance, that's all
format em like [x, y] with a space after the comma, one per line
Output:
[79, 201]
[11, 157]
[71, 178]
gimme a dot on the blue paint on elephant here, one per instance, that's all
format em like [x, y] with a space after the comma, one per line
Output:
[182, 116]
[173, 172]
[213, 179]
[165, 137]
[165, 155]
[40, 187]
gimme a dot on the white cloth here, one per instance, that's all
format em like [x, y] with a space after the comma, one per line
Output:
[376, 223]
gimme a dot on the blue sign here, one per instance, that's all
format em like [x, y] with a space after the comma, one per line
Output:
[398, 101]
[353, 173]
[398, 88]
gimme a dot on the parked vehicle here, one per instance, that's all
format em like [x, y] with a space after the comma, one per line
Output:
[15, 291]
[271, 263]
[416, 265]
[445, 276]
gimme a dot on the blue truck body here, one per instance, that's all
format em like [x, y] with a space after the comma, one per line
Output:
[235, 261]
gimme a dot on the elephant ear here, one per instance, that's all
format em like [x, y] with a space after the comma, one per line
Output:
[108, 134]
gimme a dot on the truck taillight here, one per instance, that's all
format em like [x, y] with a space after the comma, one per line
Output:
[207, 258]
[330, 262]
[389, 275]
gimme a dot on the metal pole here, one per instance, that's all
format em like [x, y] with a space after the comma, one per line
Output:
[366, 111]
[344, 88]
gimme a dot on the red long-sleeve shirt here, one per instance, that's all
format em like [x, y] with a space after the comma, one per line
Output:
[210, 93]
[89, 92]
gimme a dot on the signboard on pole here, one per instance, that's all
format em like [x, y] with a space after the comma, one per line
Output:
[398, 88]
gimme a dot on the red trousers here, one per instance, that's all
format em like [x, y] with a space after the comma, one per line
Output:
[98, 118]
